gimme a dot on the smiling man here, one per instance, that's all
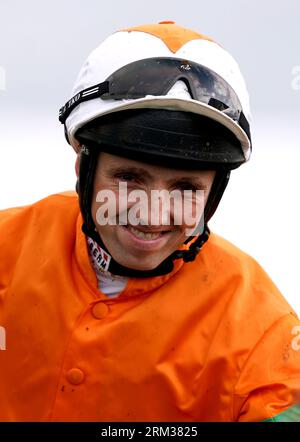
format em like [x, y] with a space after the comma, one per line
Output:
[143, 246]
[118, 306]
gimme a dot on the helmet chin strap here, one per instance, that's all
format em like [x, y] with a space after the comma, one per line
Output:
[84, 187]
[166, 266]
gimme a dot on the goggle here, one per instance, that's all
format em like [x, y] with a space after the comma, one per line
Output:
[156, 76]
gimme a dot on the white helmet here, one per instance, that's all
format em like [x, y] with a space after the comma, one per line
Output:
[113, 79]
[149, 71]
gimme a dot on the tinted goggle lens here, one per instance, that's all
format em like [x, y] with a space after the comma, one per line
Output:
[156, 76]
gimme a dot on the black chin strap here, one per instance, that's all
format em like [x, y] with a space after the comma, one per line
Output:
[85, 185]
[164, 267]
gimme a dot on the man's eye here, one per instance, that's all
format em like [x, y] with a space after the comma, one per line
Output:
[185, 186]
[126, 177]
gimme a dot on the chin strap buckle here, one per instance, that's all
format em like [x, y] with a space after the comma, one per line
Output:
[190, 255]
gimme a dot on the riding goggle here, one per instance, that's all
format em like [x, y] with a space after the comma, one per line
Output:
[156, 76]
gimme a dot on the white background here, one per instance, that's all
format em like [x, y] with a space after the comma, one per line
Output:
[43, 45]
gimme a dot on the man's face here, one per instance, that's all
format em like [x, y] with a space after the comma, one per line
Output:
[145, 245]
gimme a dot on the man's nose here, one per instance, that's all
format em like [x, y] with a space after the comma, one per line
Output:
[160, 206]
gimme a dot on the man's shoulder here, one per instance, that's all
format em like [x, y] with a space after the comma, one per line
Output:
[234, 262]
[56, 212]
[221, 249]
[60, 202]
[48, 225]
[249, 282]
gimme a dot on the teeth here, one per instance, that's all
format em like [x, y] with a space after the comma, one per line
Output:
[143, 235]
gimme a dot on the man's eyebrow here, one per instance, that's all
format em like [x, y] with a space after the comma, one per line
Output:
[144, 174]
[129, 169]
[195, 181]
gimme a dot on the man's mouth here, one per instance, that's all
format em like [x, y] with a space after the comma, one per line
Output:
[145, 234]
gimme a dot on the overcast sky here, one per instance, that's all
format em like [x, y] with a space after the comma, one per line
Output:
[42, 47]
[43, 43]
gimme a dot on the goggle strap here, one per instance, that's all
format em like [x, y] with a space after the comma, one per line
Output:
[87, 94]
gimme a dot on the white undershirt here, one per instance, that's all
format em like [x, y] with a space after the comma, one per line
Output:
[109, 284]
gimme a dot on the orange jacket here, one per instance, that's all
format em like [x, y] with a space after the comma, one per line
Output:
[212, 341]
